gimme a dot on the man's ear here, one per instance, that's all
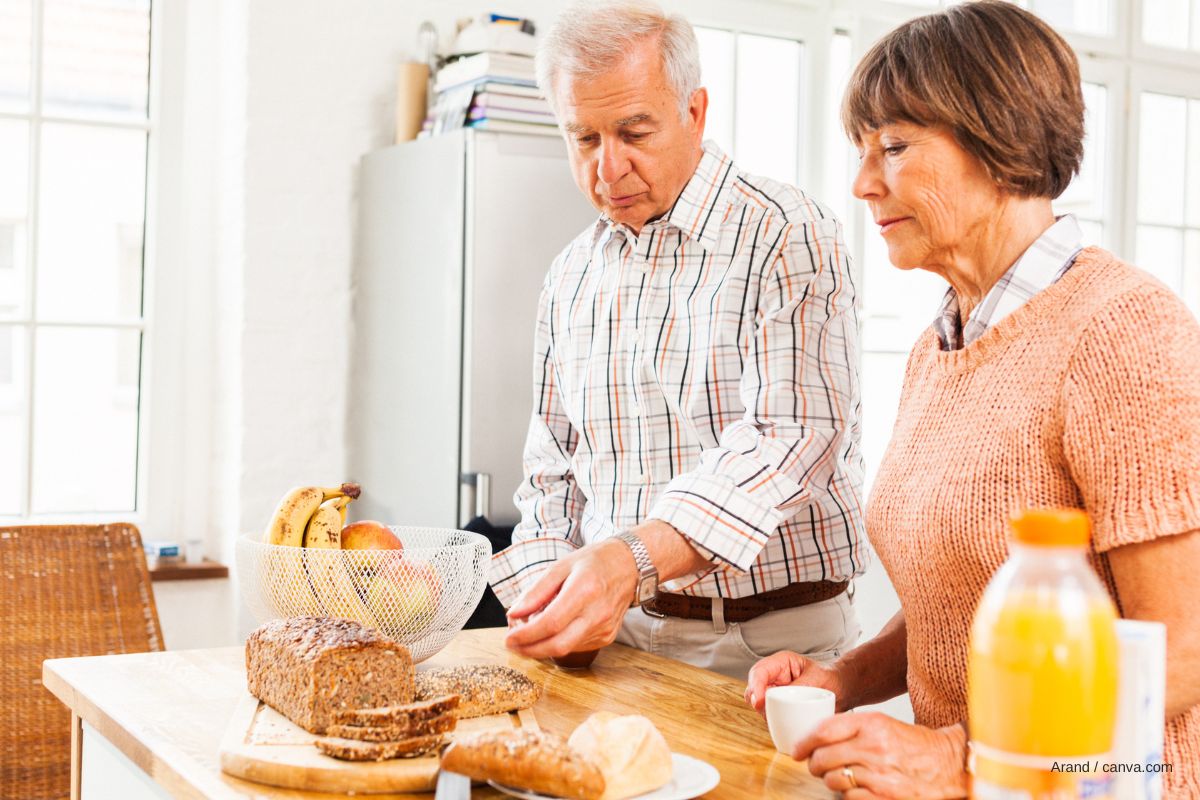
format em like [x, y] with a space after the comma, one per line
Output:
[698, 112]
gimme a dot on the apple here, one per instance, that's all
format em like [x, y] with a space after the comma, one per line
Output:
[404, 595]
[367, 534]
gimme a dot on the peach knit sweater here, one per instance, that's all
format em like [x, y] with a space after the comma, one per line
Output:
[1088, 396]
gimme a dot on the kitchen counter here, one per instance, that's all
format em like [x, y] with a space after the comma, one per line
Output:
[166, 713]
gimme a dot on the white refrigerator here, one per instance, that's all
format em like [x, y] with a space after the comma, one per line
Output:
[456, 233]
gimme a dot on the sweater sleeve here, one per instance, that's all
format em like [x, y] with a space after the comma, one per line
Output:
[1132, 418]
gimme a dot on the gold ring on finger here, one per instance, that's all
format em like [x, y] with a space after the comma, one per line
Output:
[848, 771]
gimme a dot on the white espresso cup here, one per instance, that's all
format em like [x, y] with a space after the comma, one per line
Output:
[793, 711]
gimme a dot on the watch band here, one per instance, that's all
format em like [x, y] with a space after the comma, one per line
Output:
[647, 584]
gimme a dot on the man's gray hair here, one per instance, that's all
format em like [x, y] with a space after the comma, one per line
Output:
[590, 38]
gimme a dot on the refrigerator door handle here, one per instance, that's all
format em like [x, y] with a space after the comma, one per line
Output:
[481, 482]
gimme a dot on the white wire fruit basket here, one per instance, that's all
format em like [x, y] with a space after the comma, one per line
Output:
[421, 595]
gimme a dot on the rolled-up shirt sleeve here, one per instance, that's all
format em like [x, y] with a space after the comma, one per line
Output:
[548, 498]
[797, 386]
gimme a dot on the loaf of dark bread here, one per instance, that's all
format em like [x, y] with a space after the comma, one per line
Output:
[395, 733]
[312, 668]
[483, 689]
[352, 750]
[526, 759]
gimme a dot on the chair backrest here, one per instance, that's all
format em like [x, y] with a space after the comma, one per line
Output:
[65, 591]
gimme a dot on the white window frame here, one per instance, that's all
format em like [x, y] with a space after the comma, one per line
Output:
[172, 452]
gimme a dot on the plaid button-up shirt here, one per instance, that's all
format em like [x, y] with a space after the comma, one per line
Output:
[703, 373]
[1046, 260]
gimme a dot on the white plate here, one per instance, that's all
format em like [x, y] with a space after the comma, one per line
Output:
[690, 777]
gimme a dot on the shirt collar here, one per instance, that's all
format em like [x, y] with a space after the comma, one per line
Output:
[700, 208]
[1043, 263]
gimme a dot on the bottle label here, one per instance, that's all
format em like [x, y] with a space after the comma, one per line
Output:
[1000, 775]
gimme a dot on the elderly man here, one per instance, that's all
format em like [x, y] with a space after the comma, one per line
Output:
[696, 410]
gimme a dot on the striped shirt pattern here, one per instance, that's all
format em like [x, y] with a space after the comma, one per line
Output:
[1046, 260]
[703, 373]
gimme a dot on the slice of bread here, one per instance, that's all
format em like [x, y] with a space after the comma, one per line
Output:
[484, 689]
[353, 750]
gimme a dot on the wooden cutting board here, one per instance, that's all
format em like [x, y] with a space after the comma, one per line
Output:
[263, 746]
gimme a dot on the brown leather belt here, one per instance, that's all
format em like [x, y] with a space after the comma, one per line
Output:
[740, 609]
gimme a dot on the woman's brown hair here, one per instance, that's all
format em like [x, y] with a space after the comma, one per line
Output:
[1002, 80]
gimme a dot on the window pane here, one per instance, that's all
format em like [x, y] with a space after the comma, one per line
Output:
[96, 57]
[899, 304]
[1084, 16]
[1086, 196]
[1191, 270]
[1193, 163]
[91, 222]
[12, 417]
[1160, 252]
[1093, 232]
[16, 30]
[767, 123]
[85, 419]
[1161, 151]
[716, 74]
[14, 161]
[1165, 23]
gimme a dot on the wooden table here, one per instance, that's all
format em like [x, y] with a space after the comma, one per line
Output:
[168, 711]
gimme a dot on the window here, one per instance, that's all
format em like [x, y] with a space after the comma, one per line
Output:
[1091, 17]
[1171, 23]
[74, 136]
[1168, 206]
[755, 99]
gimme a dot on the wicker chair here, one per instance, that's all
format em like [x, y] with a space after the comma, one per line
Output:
[65, 590]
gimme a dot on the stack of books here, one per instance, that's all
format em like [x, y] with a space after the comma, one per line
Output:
[490, 91]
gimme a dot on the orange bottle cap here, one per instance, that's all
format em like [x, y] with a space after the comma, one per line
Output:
[1052, 527]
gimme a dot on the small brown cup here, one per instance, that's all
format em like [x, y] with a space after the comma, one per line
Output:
[580, 660]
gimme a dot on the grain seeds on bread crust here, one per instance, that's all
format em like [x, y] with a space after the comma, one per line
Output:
[352, 750]
[395, 733]
[483, 688]
[310, 668]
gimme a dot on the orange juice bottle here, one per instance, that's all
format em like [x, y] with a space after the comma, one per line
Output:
[1042, 670]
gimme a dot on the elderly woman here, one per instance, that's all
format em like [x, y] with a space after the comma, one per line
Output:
[1051, 376]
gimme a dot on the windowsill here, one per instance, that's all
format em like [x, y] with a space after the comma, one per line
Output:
[189, 572]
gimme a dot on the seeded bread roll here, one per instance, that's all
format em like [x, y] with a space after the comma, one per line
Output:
[395, 733]
[311, 668]
[483, 689]
[525, 759]
[353, 750]
[398, 715]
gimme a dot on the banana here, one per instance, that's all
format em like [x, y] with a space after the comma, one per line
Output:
[291, 517]
[327, 573]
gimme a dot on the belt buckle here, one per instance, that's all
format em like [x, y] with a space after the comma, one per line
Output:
[652, 613]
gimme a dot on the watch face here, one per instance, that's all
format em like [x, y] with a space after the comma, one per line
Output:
[647, 588]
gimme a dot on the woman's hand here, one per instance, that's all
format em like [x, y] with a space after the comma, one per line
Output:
[786, 668]
[886, 758]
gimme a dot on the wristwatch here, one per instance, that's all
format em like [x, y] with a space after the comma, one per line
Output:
[647, 584]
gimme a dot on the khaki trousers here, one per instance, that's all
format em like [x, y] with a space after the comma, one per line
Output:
[822, 631]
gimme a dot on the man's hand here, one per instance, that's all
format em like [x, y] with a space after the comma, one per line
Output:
[577, 604]
[786, 668]
[888, 758]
